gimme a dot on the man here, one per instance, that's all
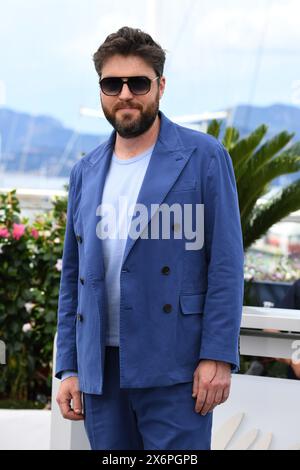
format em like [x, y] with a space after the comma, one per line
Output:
[148, 322]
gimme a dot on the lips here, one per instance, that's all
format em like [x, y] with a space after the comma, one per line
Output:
[127, 107]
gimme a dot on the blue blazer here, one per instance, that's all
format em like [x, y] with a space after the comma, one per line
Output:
[177, 306]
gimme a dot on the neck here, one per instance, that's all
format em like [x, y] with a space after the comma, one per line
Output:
[126, 148]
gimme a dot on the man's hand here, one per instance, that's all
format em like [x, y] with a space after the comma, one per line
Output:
[69, 390]
[211, 385]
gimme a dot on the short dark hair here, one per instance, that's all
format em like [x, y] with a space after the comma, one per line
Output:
[131, 41]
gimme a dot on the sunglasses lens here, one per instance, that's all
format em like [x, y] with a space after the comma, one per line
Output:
[139, 85]
[111, 85]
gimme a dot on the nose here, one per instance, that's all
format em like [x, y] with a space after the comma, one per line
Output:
[125, 92]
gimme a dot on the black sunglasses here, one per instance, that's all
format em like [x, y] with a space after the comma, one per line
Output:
[113, 86]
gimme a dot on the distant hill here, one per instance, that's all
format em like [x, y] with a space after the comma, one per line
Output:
[42, 145]
[278, 117]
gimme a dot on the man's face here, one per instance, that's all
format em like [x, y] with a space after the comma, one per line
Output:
[131, 115]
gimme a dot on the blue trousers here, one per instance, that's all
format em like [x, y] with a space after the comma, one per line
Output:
[162, 418]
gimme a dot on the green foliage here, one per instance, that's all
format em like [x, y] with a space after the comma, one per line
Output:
[256, 164]
[30, 256]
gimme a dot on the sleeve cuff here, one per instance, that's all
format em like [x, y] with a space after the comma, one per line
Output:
[68, 373]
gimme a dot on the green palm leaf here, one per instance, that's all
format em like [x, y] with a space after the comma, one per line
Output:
[214, 128]
[256, 165]
[253, 188]
[230, 138]
[268, 214]
[243, 149]
[264, 154]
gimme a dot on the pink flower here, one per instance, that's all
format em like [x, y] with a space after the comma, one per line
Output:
[35, 233]
[18, 231]
[4, 233]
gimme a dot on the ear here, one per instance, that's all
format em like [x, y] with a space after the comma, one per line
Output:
[162, 85]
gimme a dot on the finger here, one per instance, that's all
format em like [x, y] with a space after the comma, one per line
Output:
[219, 396]
[212, 408]
[195, 385]
[226, 393]
[64, 406]
[210, 400]
[201, 397]
[67, 412]
[77, 403]
[217, 400]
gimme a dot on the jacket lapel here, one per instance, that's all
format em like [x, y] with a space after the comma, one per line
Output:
[93, 179]
[163, 170]
[168, 159]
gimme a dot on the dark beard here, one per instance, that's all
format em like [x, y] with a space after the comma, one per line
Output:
[135, 127]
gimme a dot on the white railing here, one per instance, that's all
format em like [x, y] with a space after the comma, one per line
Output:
[270, 332]
[36, 201]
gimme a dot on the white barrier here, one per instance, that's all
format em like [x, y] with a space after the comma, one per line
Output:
[256, 338]
[260, 413]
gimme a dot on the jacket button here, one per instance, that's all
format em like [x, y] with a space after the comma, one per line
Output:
[79, 317]
[79, 238]
[82, 280]
[165, 270]
[167, 308]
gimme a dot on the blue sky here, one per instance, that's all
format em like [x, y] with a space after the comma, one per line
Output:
[220, 53]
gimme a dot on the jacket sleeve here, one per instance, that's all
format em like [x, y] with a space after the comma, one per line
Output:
[225, 257]
[66, 356]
